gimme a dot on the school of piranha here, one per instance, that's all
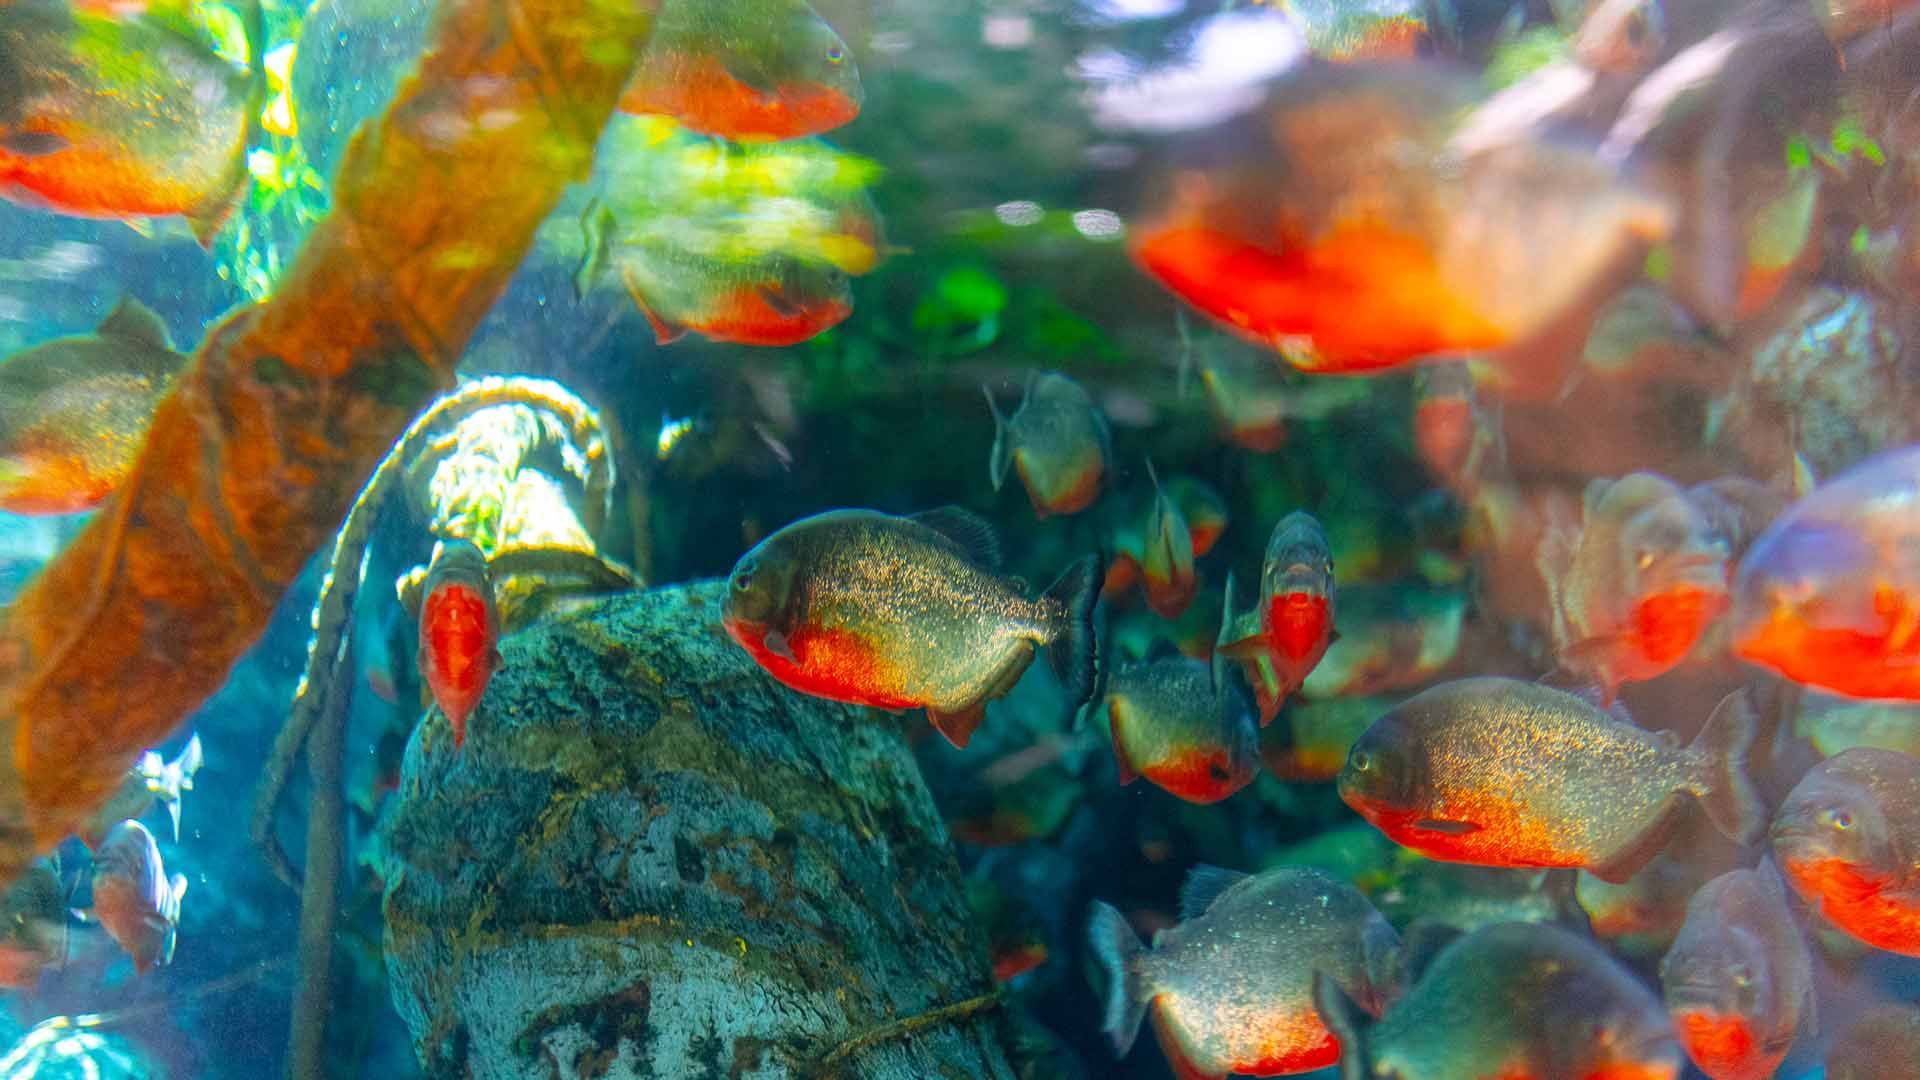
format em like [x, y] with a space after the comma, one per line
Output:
[1630, 760]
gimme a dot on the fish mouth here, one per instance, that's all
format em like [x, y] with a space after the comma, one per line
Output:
[1697, 996]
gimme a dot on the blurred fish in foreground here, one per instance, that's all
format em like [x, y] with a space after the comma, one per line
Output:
[74, 411]
[1829, 595]
[1347, 232]
[747, 244]
[1513, 999]
[1230, 989]
[748, 70]
[124, 117]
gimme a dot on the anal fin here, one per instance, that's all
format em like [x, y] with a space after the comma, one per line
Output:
[959, 726]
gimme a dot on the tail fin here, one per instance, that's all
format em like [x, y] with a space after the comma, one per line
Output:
[1001, 456]
[1724, 789]
[1348, 1022]
[1074, 652]
[1118, 950]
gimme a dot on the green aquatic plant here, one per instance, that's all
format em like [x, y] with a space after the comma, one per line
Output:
[288, 195]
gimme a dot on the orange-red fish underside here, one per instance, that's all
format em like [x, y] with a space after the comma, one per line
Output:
[1723, 1045]
[1666, 624]
[456, 651]
[745, 316]
[1080, 495]
[1363, 297]
[699, 92]
[1858, 905]
[1198, 776]
[835, 664]
[55, 483]
[1009, 964]
[1852, 662]
[86, 180]
[1297, 626]
[1305, 1059]
[1500, 836]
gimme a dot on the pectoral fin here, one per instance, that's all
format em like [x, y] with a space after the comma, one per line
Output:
[33, 143]
[777, 644]
[1447, 826]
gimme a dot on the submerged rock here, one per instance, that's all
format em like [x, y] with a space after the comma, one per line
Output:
[650, 860]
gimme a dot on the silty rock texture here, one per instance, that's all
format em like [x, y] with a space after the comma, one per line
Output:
[650, 860]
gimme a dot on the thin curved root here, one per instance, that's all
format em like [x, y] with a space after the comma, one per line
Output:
[347, 564]
[836, 1059]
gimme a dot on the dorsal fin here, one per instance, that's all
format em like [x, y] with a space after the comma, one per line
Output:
[1204, 886]
[133, 321]
[966, 529]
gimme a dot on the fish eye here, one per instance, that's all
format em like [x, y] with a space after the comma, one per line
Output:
[743, 581]
[1637, 30]
[1644, 559]
[1838, 819]
[1360, 761]
[836, 54]
[1742, 975]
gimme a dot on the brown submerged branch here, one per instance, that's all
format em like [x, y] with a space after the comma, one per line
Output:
[288, 405]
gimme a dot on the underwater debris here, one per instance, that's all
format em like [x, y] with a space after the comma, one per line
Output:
[125, 117]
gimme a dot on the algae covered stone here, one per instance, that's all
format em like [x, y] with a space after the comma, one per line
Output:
[651, 860]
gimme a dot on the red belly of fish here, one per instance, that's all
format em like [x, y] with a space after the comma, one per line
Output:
[1845, 661]
[1505, 837]
[1723, 1045]
[1857, 904]
[700, 93]
[1191, 776]
[1365, 297]
[831, 663]
[1667, 624]
[457, 657]
[1082, 487]
[744, 317]
[1203, 537]
[88, 180]
[1297, 626]
[58, 484]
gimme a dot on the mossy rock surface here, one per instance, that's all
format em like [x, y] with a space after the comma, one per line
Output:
[650, 860]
